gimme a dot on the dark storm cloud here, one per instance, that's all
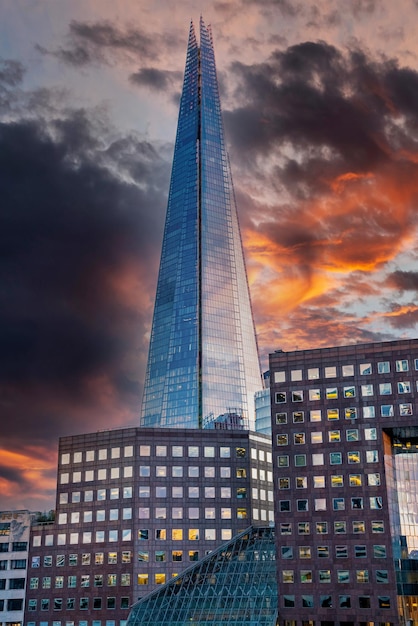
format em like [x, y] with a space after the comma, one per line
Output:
[158, 80]
[78, 221]
[11, 73]
[314, 98]
[403, 280]
[103, 42]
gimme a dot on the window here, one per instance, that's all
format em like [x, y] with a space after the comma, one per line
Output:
[364, 602]
[355, 480]
[284, 506]
[405, 409]
[286, 552]
[348, 370]
[360, 552]
[316, 436]
[285, 529]
[330, 372]
[296, 375]
[322, 552]
[337, 480]
[353, 457]
[321, 528]
[313, 373]
[315, 415]
[304, 528]
[334, 436]
[356, 503]
[305, 576]
[383, 367]
[367, 390]
[314, 394]
[297, 396]
[365, 369]
[320, 504]
[288, 576]
[299, 438]
[404, 387]
[372, 456]
[379, 551]
[349, 392]
[318, 459]
[378, 527]
[344, 602]
[288, 601]
[350, 413]
[335, 458]
[301, 482]
[341, 552]
[343, 576]
[338, 504]
[362, 576]
[298, 417]
[282, 439]
[373, 480]
[300, 460]
[386, 410]
[370, 434]
[302, 505]
[402, 365]
[333, 414]
[324, 576]
[384, 602]
[331, 393]
[280, 397]
[359, 527]
[318, 482]
[385, 389]
[281, 418]
[340, 527]
[369, 412]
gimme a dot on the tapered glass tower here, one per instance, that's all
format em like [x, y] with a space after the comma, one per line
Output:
[203, 366]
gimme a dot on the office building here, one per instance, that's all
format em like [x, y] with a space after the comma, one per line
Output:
[203, 360]
[14, 543]
[345, 443]
[134, 508]
[235, 584]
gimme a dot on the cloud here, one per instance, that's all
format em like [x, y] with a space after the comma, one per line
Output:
[158, 80]
[106, 43]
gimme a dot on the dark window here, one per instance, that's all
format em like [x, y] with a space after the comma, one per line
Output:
[15, 604]
[18, 564]
[17, 583]
[2, 583]
[364, 602]
[4, 547]
[124, 603]
[97, 603]
[111, 603]
[19, 546]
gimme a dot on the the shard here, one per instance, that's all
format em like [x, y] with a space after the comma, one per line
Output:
[203, 366]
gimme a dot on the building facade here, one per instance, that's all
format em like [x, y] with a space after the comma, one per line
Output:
[135, 507]
[345, 443]
[203, 359]
[14, 544]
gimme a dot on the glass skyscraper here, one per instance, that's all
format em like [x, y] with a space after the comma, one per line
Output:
[203, 367]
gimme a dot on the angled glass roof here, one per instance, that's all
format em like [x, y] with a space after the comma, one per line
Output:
[235, 584]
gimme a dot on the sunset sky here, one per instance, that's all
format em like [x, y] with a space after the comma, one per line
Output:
[320, 103]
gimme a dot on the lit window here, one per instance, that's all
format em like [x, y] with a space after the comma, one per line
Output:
[315, 415]
[318, 459]
[348, 370]
[373, 480]
[334, 436]
[321, 528]
[349, 392]
[365, 369]
[370, 434]
[279, 377]
[296, 375]
[319, 482]
[313, 373]
[301, 482]
[340, 528]
[316, 436]
[305, 552]
[115, 453]
[330, 372]
[355, 480]
[320, 504]
[337, 480]
[331, 393]
[314, 394]
[353, 457]
[304, 528]
[333, 414]
[322, 552]
[362, 576]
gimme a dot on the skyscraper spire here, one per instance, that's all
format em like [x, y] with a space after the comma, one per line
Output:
[203, 360]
